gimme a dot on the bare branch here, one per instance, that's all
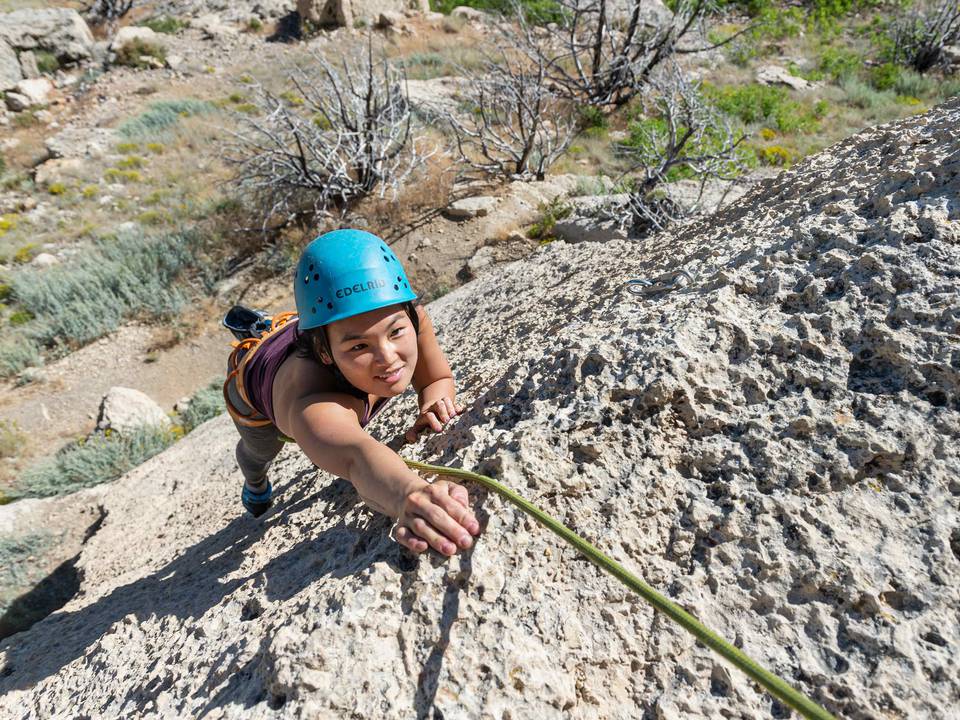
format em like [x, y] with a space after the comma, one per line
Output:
[339, 135]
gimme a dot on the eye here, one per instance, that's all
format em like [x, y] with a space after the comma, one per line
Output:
[359, 346]
[396, 331]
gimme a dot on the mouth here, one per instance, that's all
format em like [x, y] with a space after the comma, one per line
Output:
[392, 376]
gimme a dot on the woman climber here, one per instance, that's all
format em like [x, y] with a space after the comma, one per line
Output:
[319, 376]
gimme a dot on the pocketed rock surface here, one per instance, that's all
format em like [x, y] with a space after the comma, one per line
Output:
[774, 445]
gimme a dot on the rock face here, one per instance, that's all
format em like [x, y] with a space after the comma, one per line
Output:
[58, 30]
[10, 70]
[775, 445]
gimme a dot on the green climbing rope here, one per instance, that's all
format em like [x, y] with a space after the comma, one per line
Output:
[795, 699]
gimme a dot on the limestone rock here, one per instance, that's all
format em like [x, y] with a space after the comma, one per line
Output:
[131, 33]
[36, 90]
[212, 26]
[467, 208]
[775, 75]
[45, 260]
[10, 70]
[468, 13]
[347, 13]
[60, 170]
[17, 101]
[28, 63]
[775, 445]
[57, 30]
[124, 409]
[80, 142]
[584, 229]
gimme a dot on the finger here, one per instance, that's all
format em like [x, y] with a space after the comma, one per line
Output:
[451, 409]
[438, 541]
[429, 419]
[442, 513]
[410, 541]
[460, 409]
[441, 411]
[458, 511]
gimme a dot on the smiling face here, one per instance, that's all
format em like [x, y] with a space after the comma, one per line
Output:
[376, 351]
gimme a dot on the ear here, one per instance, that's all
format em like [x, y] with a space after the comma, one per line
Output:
[325, 359]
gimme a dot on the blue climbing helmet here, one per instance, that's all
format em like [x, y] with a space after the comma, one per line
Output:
[344, 273]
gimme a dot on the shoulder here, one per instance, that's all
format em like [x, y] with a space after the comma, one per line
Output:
[301, 382]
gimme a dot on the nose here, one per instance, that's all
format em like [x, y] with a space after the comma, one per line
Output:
[386, 353]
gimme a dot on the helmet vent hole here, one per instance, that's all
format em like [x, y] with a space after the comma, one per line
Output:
[330, 306]
[313, 310]
[399, 279]
[311, 267]
[316, 276]
[386, 259]
[396, 287]
[406, 286]
[306, 280]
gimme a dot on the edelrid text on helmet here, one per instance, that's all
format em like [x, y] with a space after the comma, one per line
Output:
[345, 273]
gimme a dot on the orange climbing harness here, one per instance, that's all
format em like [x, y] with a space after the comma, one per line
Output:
[243, 351]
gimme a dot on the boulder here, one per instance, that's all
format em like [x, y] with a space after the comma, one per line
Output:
[36, 90]
[28, 63]
[10, 69]
[17, 101]
[57, 30]
[776, 75]
[60, 171]
[212, 26]
[577, 229]
[348, 13]
[125, 409]
[951, 57]
[131, 33]
[468, 208]
[468, 13]
[81, 142]
[45, 260]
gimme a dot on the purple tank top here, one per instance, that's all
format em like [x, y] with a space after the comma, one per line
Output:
[260, 372]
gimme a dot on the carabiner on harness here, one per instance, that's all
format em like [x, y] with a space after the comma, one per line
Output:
[662, 283]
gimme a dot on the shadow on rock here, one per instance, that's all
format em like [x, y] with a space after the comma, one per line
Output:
[194, 582]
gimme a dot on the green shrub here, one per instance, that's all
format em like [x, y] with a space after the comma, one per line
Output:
[98, 459]
[124, 176]
[839, 63]
[7, 223]
[776, 155]
[17, 353]
[254, 24]
[885, 77]
[550, 214]
[56, 188]
[539, 11]
[26, 119]
[860, 94]
[136, 53]
[125, 148]
[89, 191]
[161, 116]
[6, 292]
[20, 317]
[12, 439]
[206, 403]
[131, 161]
[756, 103]
[25, 254]
[913, 84]
[165, 24]
[46, 62]
[88, 297]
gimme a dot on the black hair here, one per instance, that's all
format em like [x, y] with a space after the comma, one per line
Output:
[311, 343]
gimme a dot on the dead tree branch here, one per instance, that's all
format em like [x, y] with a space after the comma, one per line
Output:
[341, 133]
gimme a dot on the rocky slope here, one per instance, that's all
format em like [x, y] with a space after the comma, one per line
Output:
[774, 444]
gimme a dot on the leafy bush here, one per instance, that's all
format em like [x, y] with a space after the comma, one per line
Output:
[17, 353]
[92, 461]
[12, 439]
[756, 103]
[885, 77]
[860, 94]
[7, 223]
[839, 63]
[550, 214]
[79, 301]
[25, 254]
[776, 155]
[56, 188]
[123, 176]
[165, 24]
[206, 403]
[163, 115]
[137, 53]
[46, 62]
[541, 11]
[125, 148]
